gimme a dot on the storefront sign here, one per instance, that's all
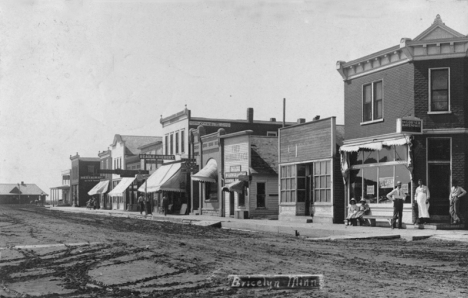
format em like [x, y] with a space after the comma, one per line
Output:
[235, 168]
[386, 182]
[126, 173]
[229, 180]
[370, 190]
[156, 156]
[310, 282]
[234, 174]
[92, 177]
[153, 161]
[197, 123]
[410, 125]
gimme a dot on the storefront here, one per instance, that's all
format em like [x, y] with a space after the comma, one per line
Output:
[311, 186]
[249, 168]
[99, 191]
[121, 193]
[372, 169]
[168, 180]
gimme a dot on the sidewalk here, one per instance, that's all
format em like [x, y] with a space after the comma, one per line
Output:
[309, 231]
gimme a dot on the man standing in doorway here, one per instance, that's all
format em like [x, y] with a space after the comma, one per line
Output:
[398, 197]
[455, 194]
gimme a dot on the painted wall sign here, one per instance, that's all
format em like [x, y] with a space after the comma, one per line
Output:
[156, 156]
[310, 282]
[235, 168]
[234, 174]
[386, 182]
[92, 177]
[197, 123]
[410, 125]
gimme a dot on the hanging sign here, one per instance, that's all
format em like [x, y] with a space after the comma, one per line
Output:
[156, 156]
[411, 125]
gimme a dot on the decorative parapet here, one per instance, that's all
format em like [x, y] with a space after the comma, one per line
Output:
[436, 42]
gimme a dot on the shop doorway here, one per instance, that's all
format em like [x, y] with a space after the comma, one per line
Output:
[439, 185]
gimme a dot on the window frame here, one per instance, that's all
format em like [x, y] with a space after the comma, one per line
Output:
[373, 100]
[264, 194]
[449, 108]
[327, 174]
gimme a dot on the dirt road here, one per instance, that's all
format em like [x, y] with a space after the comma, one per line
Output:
[129, 257]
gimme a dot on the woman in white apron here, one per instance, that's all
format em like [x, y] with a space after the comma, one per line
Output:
[422, 198]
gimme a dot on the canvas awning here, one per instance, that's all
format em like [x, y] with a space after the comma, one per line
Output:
[99, 188]
[121, 187]
[377, 145]
[168, 178]
[237, 186]
[209, 173]
[61, 187]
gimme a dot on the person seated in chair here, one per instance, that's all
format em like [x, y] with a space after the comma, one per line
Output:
[363, 210]
[353, 208]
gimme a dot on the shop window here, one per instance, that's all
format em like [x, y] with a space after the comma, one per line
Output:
[211, 191]
[401, 153]
[172, 144]
[370, 184]
[322, 181]
[241, 197]
[301, 183]
[372, 102]
[386, 183]
[166, 145]
[355, 181]
[288, 183]
[370, 156]
[182, 141]
[261, 195]
[402, 174]
[439, 90]
[387, 154]
[438, 149]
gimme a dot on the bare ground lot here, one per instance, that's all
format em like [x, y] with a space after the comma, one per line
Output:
[142, 258]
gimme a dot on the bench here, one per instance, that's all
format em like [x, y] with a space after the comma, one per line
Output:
[373, 218]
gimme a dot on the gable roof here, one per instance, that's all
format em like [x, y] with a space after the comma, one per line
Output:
[26, 189]
[133, 143]
[264, 155]
[438, 30]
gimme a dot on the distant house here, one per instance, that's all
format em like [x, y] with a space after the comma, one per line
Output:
[20, 193]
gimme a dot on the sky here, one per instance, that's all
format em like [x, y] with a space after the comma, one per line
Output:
[74, 73]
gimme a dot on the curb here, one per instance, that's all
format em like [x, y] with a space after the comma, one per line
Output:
[354, 237]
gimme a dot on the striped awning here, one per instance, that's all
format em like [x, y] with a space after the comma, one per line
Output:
[209, 173]
[237, 186]
[121, 187]
[99, 188]
[166, 178]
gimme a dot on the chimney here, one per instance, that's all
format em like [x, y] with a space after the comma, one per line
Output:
[272, 119]
[316, 118]
[301, 120]
[250, 115]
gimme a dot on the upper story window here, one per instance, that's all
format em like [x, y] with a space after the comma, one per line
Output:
[172, 143]
[166, 145]
[182, 141]
[372, 99]
[177, 142]
[439, 86]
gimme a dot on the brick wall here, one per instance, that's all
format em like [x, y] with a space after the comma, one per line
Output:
[398, 94]
[458, 93]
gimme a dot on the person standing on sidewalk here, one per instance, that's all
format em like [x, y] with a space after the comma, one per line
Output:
[164, 205]
[148, 207]
[455, 194]
[141, 204]
[422, 199]
[398, 197]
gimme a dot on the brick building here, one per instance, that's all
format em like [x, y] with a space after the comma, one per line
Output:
[406, 119]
